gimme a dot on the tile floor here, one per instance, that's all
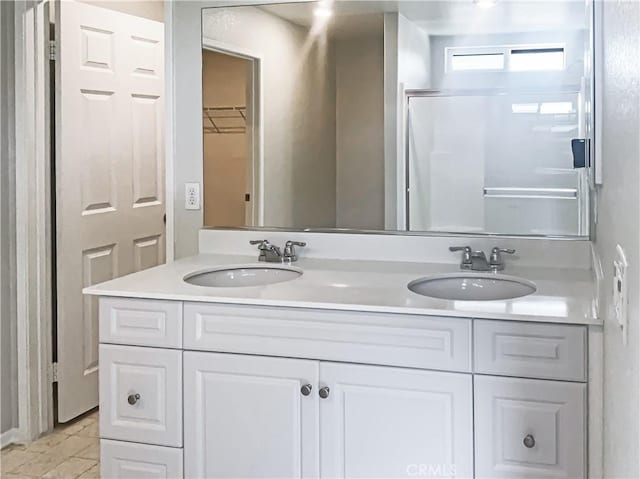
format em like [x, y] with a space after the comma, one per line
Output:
[71, 451]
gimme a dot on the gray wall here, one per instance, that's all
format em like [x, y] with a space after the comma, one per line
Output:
[8, 374]
[619, 223]
[359, 132]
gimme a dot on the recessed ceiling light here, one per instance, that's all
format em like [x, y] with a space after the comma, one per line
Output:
[323, 12]
[485, 3]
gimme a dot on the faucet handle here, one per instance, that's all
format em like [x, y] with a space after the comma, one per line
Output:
[289, 254]
[261, 243]
[466, 255]
[495, 261]
[466, 249]
[496, 250]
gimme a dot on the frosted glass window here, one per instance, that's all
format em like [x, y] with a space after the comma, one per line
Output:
[542, 59]
[477, 61]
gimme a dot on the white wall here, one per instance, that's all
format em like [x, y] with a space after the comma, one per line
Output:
[619, 223]
[414, 59]
[407, 66]
[151, 9]
[299, 113]
[8, 372]
[359, 132]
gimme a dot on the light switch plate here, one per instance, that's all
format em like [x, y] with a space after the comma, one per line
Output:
[192, 196]
[620, 297]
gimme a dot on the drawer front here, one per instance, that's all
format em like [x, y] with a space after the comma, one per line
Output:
[527, 428]
[141, 394]
[126, 460]
[548, 351]
[141, 322]
[370, 338]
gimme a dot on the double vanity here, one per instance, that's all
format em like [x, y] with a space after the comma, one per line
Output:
[220, 366]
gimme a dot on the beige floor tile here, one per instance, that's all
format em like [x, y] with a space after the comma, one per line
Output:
[92, 451]
[93, 473]
[39, 465]
[78, 425]
[12, 447]
[16, 458]
[70, 429]
[70, 469]
[11, 475]
[92, 430]
[71, 451]
[47, 442]
[70, 446]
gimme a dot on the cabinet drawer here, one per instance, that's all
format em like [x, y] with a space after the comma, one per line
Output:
[141, 394]
[125, 460]
[141, 322]
[552, 351]
[527, 428]
[356, 337]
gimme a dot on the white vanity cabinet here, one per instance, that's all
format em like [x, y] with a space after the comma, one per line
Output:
[248, 391]
[251, 416]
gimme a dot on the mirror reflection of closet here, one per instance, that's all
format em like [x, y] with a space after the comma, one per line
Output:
[226, 157]
[434, 117]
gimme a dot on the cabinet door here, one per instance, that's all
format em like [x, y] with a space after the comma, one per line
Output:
[529, 429]
[390, 422]
[126, 460]
[247, 416]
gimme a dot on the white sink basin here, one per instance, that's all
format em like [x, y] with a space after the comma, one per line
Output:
[238, 276]
[472, 287]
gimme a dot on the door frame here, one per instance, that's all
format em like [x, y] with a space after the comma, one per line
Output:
[255, 161]
[34, 301]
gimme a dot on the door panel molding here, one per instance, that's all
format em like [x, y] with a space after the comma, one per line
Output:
[109, 175]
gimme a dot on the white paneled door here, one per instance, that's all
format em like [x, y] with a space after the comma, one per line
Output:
[109, 171]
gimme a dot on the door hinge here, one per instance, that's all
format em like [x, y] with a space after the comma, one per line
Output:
[52, 50]
[54, 372]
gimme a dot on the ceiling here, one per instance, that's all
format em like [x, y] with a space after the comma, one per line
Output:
[440, 17]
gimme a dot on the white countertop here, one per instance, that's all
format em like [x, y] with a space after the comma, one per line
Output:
[562, 296]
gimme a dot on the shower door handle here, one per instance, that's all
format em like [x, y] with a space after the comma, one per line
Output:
[580, 150]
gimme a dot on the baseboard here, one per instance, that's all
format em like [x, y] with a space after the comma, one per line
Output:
[9, 437]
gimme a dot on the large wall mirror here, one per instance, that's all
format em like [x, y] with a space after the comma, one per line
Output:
[436, 117]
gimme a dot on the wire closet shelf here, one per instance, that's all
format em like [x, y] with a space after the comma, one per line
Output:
[221, 120]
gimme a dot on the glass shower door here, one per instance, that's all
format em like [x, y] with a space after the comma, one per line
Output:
[495, 162]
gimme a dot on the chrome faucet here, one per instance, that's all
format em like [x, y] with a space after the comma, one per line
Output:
[477, 260]
[272, 254]
[496, 262]
[290, 255]
[466, 262]
[268, 252]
